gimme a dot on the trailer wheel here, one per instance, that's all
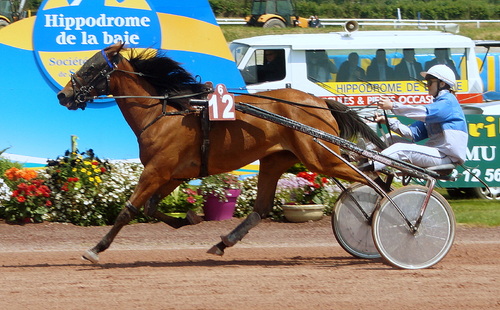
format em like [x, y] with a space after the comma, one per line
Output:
[274, 23]
[483, 193]
[460, 193]
[475, 192]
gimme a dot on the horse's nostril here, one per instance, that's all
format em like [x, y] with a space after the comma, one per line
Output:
[61, 96]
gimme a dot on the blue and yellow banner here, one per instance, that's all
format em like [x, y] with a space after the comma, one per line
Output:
[40, 53]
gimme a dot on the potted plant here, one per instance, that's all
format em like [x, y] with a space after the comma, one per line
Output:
[181, 200]
[302, 196]
[220, 192]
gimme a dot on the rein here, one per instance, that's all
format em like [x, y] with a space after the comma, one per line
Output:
[291, 102]
[164, 104]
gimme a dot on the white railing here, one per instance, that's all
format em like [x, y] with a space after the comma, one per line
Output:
[377, 22]
[231, 21]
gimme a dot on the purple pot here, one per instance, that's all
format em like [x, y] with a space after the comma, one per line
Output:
[216, 210]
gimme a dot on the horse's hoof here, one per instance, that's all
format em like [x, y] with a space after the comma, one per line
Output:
[91, 256]
[215, 250]
[193, 218]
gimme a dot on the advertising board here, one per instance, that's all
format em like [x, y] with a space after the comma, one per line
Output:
[39, 54]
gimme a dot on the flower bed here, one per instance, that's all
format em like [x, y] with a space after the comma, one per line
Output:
[82, 189]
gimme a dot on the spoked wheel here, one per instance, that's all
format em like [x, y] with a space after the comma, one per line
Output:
[351, 227]
[397, 244]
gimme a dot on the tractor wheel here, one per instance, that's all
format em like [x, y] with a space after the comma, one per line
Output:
[3, 23]
[274, 23]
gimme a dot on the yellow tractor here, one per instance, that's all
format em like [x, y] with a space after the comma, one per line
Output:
[275, 14]
[8, 13]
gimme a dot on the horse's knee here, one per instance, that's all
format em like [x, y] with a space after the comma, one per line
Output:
[124, 217]
[263, 212]
[151, 206]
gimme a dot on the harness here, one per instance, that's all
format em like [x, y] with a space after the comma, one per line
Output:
[95, 76]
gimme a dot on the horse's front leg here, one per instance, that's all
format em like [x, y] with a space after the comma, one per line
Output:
[124, 217]
[149, 183]
[271, 169]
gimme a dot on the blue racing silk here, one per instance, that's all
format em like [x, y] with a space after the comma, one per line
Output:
[441, 122]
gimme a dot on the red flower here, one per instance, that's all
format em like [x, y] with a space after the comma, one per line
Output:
[22, 186]
[21, 199]
[31, 190]
[103, 169]
[190, 191]
[191, 199]
[309, 176]
[48, 203]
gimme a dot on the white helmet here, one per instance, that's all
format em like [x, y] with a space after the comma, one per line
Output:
[442, 72]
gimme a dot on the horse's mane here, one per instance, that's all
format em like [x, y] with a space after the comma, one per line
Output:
[164, 73]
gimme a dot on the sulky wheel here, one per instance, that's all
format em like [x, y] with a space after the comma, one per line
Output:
[397, 244]
[351, 227]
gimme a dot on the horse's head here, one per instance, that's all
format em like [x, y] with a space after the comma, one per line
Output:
[92, 79]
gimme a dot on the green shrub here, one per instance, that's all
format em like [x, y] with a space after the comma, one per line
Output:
[6, 164]
[383, 9]
[182, 199]
[78, 181]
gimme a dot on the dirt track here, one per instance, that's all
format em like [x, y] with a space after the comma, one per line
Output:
[278, 266]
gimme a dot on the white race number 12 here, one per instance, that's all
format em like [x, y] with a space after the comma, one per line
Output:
[221, 104]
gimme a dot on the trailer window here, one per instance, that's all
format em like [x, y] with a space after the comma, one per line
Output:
[265, 65]
[320, 68]
[403, 64]
[238, 51]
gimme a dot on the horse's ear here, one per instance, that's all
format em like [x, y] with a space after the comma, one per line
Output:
[114, 49]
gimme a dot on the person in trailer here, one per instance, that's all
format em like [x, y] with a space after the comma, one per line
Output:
[442, 58]
[274, 66]
[409, 68]
[442, 122]
[350, 71]
[319, 67]
[379, 70]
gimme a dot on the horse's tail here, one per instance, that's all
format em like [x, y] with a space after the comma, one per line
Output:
[351, 124]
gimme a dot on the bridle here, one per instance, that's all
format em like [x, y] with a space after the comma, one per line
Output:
[94, 75]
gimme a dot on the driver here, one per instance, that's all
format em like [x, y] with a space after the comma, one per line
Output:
[442, 122]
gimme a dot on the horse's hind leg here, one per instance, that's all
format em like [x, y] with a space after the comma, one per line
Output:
[271, 168]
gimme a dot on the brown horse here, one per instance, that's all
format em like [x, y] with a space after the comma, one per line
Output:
[153, 93]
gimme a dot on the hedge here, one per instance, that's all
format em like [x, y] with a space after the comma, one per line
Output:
[383, 9]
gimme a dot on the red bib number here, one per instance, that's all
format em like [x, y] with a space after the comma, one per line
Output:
[221, 104]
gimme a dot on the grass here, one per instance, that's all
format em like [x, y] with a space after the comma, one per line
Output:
[476, 212]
